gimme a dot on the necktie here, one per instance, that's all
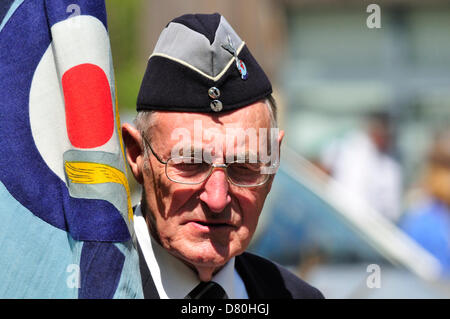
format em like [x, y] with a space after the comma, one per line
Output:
[207, 290]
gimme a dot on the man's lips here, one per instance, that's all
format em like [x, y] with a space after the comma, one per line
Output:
[209, 225]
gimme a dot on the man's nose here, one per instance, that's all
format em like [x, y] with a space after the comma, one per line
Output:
[215, 191]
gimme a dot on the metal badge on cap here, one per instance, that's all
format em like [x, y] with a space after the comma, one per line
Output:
[214, 92]
[216, 105]
[240, 65]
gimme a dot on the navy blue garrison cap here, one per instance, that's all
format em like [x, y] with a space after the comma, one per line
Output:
[200, 64]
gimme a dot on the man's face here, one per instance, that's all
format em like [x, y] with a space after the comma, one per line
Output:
[205, 224]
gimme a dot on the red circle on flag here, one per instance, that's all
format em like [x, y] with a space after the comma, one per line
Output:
[89, 112]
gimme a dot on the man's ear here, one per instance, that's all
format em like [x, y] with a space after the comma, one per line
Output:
[280, 140]
[133, 150]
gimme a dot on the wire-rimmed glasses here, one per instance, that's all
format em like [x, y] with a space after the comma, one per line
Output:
[192, 170]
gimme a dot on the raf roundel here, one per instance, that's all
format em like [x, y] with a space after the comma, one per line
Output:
[242, 69]
[75, 92]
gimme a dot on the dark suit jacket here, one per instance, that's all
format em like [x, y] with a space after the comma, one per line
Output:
[262, 278]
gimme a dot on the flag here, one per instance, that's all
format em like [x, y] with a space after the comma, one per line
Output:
[66, 221]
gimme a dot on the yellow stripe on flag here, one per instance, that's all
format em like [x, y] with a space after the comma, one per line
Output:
[96, 173]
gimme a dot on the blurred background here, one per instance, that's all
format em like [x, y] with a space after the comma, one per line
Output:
[360, 204]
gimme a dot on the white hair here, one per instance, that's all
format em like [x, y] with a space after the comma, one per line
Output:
[272, 104]
[145, 120]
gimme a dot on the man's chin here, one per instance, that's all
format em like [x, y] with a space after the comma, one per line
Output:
[199, 257]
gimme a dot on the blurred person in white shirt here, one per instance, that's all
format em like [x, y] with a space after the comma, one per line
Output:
[360, 162]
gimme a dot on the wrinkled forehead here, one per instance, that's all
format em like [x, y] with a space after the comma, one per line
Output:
[254, 116]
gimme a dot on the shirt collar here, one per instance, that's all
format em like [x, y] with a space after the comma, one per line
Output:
[174, 279]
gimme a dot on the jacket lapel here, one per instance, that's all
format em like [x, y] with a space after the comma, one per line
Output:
[253, 286]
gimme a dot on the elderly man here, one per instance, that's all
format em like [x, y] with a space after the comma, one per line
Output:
[203, 191]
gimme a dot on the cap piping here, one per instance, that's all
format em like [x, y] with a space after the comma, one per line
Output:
[216, 78]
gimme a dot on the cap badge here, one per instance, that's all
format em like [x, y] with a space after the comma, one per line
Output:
[213, 92]
[216, 105]
[240, 65]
